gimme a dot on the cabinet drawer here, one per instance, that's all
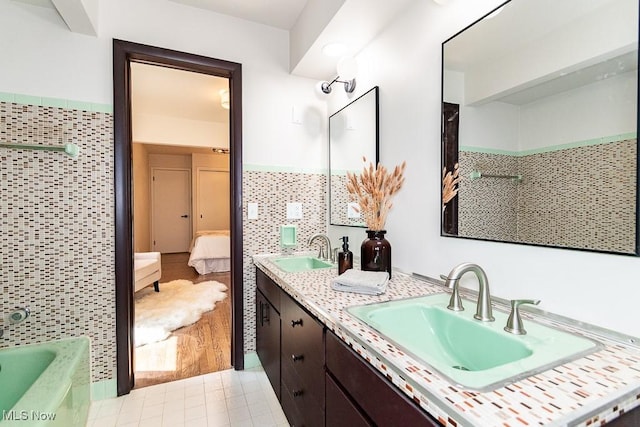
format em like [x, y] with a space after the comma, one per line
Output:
[302, 339]
[300, 402]
[269, 289]
[379, 398]
[340, 410]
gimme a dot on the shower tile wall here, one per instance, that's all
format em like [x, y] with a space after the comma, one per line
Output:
[487, 208]
[57, 229]
[272, 191]
[575, 197]
[580, 197]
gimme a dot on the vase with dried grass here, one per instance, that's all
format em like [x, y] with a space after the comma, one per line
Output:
[373, 190]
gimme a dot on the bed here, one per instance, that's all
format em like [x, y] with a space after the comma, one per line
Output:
[210, 251]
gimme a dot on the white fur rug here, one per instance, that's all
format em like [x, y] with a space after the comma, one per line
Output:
[179, 303]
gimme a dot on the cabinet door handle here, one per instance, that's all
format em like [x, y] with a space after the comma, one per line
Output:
[297, 393]
[296, 322]
[297, 357]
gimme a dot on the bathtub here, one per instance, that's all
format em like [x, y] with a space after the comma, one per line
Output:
[45, 384]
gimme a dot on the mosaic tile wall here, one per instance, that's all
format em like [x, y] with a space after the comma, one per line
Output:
[592, 207]
[272, 191]
[487, 207]
[57, 229]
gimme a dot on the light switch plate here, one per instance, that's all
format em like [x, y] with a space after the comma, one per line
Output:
[252, 211]
[294, 210]
[296, 116]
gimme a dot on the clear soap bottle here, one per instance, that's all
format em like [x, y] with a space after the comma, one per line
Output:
[345, 258]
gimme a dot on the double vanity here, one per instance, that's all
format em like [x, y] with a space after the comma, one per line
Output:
[337, 358]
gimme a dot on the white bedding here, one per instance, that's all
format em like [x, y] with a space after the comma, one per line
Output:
[210, 251]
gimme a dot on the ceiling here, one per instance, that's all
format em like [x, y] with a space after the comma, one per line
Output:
[311, 24]
[184, 94]
[281, 14]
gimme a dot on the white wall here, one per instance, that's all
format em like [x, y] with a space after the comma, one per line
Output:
[602, 109]
[41, 57]
[405, 62]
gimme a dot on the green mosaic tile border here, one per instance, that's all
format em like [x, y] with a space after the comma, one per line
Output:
[44, 101]
[286, 169]
[551, 148]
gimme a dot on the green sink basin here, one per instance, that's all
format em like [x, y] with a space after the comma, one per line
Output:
[300, 263]
[471, 354]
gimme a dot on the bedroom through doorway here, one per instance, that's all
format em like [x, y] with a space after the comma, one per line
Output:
[181, 214]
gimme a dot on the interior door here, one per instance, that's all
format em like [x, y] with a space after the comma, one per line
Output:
[213, 200]
[171, 210]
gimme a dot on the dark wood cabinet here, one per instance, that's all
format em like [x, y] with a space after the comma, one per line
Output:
[365, 388]
[268, 329]
[290, 345]
[302, 343]
[341, 410]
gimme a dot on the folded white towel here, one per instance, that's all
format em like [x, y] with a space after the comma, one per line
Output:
[361, 282]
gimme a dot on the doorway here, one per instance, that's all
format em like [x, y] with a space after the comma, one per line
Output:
[123, 54]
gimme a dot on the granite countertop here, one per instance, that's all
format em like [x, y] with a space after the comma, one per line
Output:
[590, 390]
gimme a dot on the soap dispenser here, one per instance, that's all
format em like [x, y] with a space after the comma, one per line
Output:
[345, 258]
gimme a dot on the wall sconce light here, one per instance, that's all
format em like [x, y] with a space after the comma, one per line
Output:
[224, 98]
[347, 69]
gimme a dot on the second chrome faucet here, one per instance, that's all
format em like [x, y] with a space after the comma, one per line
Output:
[483, 310]
[329, 254]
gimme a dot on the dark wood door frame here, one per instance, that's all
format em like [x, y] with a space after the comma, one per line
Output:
[123, 54]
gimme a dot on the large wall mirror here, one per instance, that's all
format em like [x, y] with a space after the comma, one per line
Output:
[353, 134]
[540, 111]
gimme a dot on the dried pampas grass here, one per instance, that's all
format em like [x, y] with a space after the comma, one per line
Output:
[373, 190]
[450, 182]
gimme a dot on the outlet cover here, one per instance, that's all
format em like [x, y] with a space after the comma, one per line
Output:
[294, 210]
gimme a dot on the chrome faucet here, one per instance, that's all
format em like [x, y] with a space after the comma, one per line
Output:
[483, 310]
[322, 254]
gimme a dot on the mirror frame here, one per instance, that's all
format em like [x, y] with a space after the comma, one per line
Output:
[449, 220]
[376, 91]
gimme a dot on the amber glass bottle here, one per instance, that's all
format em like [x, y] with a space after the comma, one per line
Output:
[345, 258]
[375, 252]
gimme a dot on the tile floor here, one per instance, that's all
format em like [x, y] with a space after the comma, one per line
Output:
[226, 398]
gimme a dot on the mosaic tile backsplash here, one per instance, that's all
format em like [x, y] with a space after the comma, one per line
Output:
[272, 191]
[583, 197]
[57, 229]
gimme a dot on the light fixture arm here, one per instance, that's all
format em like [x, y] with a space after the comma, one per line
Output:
[349, 85]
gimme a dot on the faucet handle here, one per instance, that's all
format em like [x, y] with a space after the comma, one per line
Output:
[514, 322]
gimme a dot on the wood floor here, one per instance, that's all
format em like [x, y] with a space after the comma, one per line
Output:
[193, 350]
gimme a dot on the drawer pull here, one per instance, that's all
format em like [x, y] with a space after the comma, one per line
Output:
[297, 357]
[296, 322]
[297, 393]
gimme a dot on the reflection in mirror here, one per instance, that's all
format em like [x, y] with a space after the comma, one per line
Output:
[540, 111]
[353, 134]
